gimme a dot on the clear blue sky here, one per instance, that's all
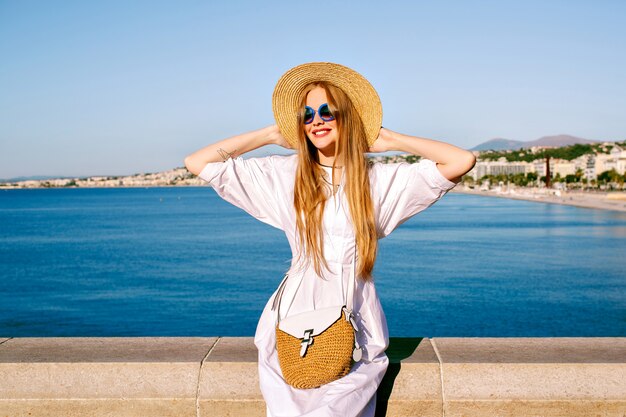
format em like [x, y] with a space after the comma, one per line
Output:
[121, 87]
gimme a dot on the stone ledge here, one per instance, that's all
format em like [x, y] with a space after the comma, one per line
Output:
[196, 376]
[533, 376]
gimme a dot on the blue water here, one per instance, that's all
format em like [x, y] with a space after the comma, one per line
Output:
[181, 261]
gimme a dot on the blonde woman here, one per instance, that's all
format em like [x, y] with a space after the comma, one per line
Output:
[333, 206]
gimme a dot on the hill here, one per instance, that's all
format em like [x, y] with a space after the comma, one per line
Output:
[556, 141]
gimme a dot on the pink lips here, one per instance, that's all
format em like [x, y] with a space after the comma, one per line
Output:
[320, 130]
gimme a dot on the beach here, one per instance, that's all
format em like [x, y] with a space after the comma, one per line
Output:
[594, 200]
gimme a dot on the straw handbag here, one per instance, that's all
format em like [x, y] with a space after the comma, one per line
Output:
[319, 346]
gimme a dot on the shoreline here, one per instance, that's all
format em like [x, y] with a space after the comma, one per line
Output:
[615, 201]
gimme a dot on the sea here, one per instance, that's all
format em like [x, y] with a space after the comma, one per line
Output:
[180, 261]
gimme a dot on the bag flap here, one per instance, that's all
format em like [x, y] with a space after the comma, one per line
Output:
[317, 320]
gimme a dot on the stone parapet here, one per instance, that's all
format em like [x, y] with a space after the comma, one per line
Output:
[210, 376]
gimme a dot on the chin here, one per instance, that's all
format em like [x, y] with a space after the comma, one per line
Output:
[328, 147]
[321, 143]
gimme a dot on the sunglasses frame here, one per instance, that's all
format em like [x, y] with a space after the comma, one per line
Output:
[326, 119]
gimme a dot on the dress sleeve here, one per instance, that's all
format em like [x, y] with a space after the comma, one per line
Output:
[406, 189]
[254, 185]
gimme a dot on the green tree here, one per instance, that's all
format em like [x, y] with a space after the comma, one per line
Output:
[579, 175]
[609, 176]
[518, 179]
[570, 178]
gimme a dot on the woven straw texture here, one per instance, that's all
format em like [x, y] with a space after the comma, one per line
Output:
[328, 358]
[289, 87]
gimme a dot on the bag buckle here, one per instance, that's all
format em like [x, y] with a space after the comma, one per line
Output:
[306, 342]
[350, 318]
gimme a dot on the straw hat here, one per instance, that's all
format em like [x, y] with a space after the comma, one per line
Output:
[291, 85]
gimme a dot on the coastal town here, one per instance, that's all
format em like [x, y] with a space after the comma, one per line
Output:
[593, 172]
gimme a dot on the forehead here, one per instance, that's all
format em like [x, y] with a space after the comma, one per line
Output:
[316, 96]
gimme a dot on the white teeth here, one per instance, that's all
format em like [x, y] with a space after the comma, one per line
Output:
[321, 132]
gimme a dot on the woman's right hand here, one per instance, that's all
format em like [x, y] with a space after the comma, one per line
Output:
[277, 138]
[384, 142]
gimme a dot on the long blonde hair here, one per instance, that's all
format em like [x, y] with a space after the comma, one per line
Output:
[310, 193]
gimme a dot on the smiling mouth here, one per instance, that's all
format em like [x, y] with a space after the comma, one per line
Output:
[321, 132]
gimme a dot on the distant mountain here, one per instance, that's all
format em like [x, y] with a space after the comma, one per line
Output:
[498, 144]
[559, 140]
[507, 144]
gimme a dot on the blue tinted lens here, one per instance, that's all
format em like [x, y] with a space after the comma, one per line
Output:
[325, 113]
[309, 115]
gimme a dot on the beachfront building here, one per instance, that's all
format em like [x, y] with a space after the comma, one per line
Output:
[589, 172]
[620, 159]
[604, 162]
[501, 166]
[563, 167]
[616, 160]
[585, 163]
[589, 164]
[539, 166]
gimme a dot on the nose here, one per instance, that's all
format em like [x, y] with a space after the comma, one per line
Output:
[317, 119]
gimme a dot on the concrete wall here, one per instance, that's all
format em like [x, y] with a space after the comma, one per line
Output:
[196, 376]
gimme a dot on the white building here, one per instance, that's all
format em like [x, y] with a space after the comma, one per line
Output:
[501, 166]
[616, 160]
[563, 167]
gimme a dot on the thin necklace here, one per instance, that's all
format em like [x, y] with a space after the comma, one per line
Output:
[328, 166]
[327, 182]
[335, 186]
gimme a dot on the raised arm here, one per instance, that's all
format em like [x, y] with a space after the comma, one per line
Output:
[452, 161]
[234, 146]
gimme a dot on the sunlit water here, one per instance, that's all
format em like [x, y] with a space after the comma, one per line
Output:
[180, 261]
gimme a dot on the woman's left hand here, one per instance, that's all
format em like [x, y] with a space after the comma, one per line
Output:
[384, 142]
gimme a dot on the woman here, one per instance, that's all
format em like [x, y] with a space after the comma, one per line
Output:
[331, 116]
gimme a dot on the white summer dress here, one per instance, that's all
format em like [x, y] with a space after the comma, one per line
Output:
[263, 187]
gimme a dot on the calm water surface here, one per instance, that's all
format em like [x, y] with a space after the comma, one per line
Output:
[181, 261]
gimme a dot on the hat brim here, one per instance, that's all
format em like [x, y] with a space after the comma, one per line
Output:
[285, 100]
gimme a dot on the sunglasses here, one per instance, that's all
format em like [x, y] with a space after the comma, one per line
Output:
[324, 112]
